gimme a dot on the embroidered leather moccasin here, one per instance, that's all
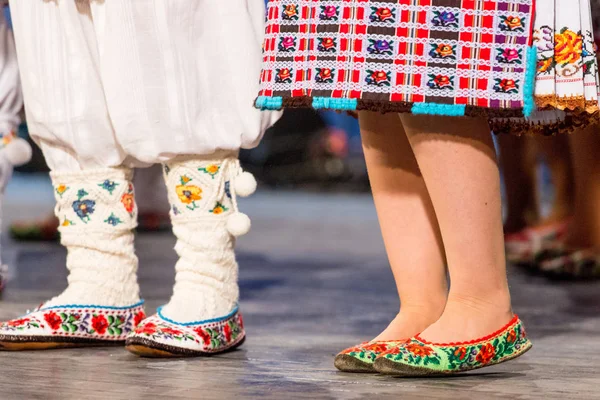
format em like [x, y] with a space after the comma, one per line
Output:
[158, 336]
[70, 326]
[418, 357]
[360, 358]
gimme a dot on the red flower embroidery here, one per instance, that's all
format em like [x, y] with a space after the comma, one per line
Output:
[383, 13]
[379, 76]
[507, 84]
[170, 331]
[352, 350]
[241, 321]
[128, 201]
[227, 332]
[138, 318]
[100, 324]
[327, 43]
[325, 73]
[419, 350]
[148, 329]
[284, 74]
[486, 353]
[511, 337]
[376, 347]
[442, 81]
[461, 353]
[393, 351]
[53, 319]
[205, 336]
[18, 322]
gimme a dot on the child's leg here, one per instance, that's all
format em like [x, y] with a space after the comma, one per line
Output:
[518, 166]
[408, 224]
[458, 162]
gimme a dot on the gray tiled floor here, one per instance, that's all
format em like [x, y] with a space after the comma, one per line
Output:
[314, 279]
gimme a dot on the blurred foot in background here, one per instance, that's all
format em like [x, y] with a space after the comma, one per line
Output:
[527, 227]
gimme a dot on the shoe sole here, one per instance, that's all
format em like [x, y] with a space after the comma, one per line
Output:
[150, 349]
[24, 343]
[388, 367]
[346, 363]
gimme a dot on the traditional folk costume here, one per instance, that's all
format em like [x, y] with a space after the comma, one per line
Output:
[13, 150]
[526, 65]
[503, 59]
[114, 85]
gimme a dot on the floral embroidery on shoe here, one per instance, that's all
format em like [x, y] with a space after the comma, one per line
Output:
[441, 82]
[219, 209]
[368, 352]
[210, 336]
[61, 189]
[83, 208]
[109, 186]
[508, 343]
[212, 170]
[89, 322]
[188, 194]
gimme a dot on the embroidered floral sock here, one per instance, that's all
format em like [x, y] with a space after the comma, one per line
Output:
[97, 214]
[202, 194]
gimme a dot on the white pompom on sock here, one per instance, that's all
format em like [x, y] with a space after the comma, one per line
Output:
[238, 224]
[18, 152]
[245, 184]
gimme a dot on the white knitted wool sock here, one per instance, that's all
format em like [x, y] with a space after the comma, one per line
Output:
[204, 213]
[97, 214]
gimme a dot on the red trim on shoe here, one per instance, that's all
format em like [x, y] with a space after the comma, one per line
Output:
[499, 332]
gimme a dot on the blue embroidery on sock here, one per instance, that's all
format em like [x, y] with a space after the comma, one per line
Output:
[268, 103]
[93, 306]
[529, 89]
[452, 110]
[334, 103]
[206, 321]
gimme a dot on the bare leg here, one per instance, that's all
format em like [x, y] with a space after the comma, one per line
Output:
[555, 152]
[518, 165]
[584, 231]
[408, 225]
[458, 162]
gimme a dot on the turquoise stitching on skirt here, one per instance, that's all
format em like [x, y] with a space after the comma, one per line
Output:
[334, 103]
[269, 103]
[452, 110]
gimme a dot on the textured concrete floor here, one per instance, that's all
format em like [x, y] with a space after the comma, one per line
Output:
[314, 279]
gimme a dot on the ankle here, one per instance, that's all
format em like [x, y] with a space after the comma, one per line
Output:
[494, 302]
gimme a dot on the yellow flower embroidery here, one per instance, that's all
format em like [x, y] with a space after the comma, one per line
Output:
[219, 209]
[189, 195]
[568, 48]
[212, 169]
[185, 179]
[61, 189]
[66, 222]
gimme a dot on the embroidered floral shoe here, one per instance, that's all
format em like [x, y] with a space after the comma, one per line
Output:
[159, 336]
[522, 247]
[361, 358]
[418, 357]
[70, 326]
[565, 264]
